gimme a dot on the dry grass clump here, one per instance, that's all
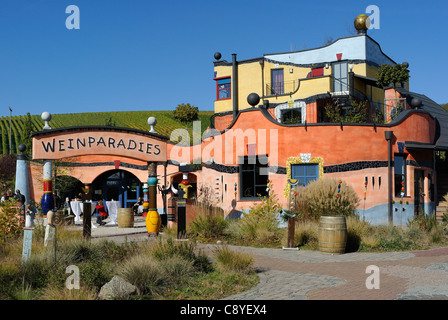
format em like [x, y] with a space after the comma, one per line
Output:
[228, 260]
[321, 198]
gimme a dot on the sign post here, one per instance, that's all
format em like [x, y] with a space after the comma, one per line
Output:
[27, 243]
[86, 220]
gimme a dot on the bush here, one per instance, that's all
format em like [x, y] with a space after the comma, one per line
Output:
[305, 233]
[186, 113]
[144, 273]
[322, 199]
[358, 232]
[232, 261]
[10, 224]
[185, 249]
[208, 226]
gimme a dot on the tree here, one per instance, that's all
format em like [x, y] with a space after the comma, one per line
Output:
[186, 113]
[392, 74]
[26, 133]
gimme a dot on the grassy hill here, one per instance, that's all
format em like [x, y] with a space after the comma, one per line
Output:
[128, 119]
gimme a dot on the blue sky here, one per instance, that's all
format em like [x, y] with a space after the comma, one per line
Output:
[148, 55]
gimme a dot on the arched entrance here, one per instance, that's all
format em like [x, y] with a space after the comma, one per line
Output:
[118, 185]
[67, 187]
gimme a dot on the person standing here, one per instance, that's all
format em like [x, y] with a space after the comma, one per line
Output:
[20, 197]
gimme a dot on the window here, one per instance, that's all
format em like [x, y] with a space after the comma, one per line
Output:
[340, 76]
[291, 116]
[253, 177]
[400, 174]
[223, 90]
[316, 72]
[277, 79]
[305, 173]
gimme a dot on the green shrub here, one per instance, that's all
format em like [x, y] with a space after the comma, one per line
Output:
[305, 233]
[185, 249]
[208, 226]
[176, 269]
[322, 199]
[357, 232]
[10, 225]
[144, 273]
[228, 260]
[186, 113]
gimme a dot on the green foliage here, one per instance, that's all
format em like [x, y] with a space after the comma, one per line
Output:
[208, 226]
[8, 169]
[110, 122]
[228, 260]
[392, 74]
[186, 113]
[26, 131]
[166, 123]
[359, 112]
[267, 211]
[10, 224]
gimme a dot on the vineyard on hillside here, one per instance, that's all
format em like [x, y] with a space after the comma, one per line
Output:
[166, 124]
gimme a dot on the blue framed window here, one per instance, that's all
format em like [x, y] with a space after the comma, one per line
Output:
[223, 90]
[305, 173]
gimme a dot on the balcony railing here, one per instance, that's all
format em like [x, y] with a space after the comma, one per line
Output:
[279, 88]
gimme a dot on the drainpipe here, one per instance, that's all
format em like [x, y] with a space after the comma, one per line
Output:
[388, 135]
[234, 86]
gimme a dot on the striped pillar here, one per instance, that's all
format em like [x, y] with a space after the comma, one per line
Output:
[145, 200]
[47, 202]
[153, 220]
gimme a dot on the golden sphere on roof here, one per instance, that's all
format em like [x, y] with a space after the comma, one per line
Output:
[362, 22]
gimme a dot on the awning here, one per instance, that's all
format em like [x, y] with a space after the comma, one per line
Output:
[418, 145]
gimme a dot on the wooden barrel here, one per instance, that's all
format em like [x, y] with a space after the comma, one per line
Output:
[125, 218]
[332, 234]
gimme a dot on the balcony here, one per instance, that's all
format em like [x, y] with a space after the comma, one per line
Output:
[300, 88]
[281, 88]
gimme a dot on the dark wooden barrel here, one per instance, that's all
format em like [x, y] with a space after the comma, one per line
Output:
[332, 234]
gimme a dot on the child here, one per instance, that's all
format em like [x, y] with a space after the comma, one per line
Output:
[102, 213]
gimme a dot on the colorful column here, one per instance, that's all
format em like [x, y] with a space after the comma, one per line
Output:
[145, 200]
[47, 202]
[153, 220]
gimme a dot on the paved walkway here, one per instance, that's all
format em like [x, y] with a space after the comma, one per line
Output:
[312, 275]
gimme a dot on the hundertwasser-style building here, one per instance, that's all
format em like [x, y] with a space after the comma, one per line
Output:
[273, 122]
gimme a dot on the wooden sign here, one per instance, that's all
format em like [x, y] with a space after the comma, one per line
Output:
[58, 145]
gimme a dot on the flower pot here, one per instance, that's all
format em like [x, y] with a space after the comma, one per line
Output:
[332, 234]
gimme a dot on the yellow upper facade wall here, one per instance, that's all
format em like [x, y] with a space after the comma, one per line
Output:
[255, 75]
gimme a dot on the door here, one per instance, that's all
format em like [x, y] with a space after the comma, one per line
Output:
[277, 80]
[419, 195]
[340, 76]
[118, 185]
